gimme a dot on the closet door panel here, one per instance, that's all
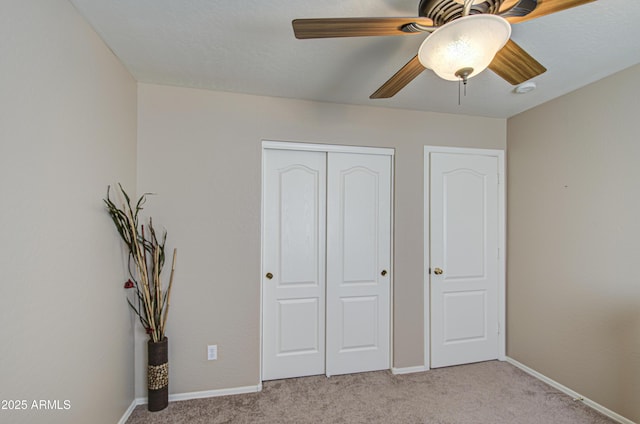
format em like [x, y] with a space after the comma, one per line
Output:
[358, 262]
[294, 201]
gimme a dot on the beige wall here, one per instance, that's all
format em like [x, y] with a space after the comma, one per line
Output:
[573, 241]
[201, 152]
[67, 130]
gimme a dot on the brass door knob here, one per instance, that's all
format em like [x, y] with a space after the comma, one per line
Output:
[269, 276]
[437, 271]
[384, 272]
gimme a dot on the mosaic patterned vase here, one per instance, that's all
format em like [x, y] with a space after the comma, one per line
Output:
[158, 374]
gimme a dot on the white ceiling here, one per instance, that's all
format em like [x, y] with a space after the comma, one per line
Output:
[249, 47]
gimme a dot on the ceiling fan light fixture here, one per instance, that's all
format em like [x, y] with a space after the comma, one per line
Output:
[468, 42]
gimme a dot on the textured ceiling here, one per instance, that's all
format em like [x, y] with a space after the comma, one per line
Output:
[249, 47]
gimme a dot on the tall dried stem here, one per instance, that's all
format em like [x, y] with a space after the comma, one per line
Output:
[147, 254]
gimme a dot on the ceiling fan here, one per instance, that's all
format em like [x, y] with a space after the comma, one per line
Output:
[461, 27]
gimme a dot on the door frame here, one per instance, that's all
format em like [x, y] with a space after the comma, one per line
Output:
[499, 154]
[326, 148]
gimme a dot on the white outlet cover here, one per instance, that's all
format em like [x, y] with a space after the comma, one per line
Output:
[212, 352]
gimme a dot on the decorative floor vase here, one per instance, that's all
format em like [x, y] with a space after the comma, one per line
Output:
[158, 374]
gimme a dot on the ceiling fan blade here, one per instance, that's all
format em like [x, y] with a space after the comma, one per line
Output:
[515, 65]
[546, 7]
[404, 76]
[354, 27]
[508, 4]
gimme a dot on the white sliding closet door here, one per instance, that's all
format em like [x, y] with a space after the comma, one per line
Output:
[293, 278]
[325, 212]
[358, 262]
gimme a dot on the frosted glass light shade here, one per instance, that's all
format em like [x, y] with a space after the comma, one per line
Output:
[468, 42]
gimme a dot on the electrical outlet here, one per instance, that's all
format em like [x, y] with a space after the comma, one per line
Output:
[212, 352]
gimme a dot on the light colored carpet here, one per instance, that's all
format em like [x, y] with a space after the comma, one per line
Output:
[484, 393]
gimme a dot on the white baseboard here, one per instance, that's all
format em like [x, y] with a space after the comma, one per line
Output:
[193, 395]
[575, 395]
[128, 412]
[409, 370]
[214, 393]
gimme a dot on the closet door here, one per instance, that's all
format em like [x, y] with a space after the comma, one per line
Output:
[358, 262]
[294, 202]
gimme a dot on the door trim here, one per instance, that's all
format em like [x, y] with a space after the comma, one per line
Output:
[499, 154]
[328, 148]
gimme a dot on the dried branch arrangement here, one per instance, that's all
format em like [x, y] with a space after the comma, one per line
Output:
[146, 260]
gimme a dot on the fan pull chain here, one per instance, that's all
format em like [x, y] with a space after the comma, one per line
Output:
[464, 81]
[463, 75]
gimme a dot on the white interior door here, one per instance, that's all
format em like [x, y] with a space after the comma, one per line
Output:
[358, 262]
[294, 202]
[464, 258]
